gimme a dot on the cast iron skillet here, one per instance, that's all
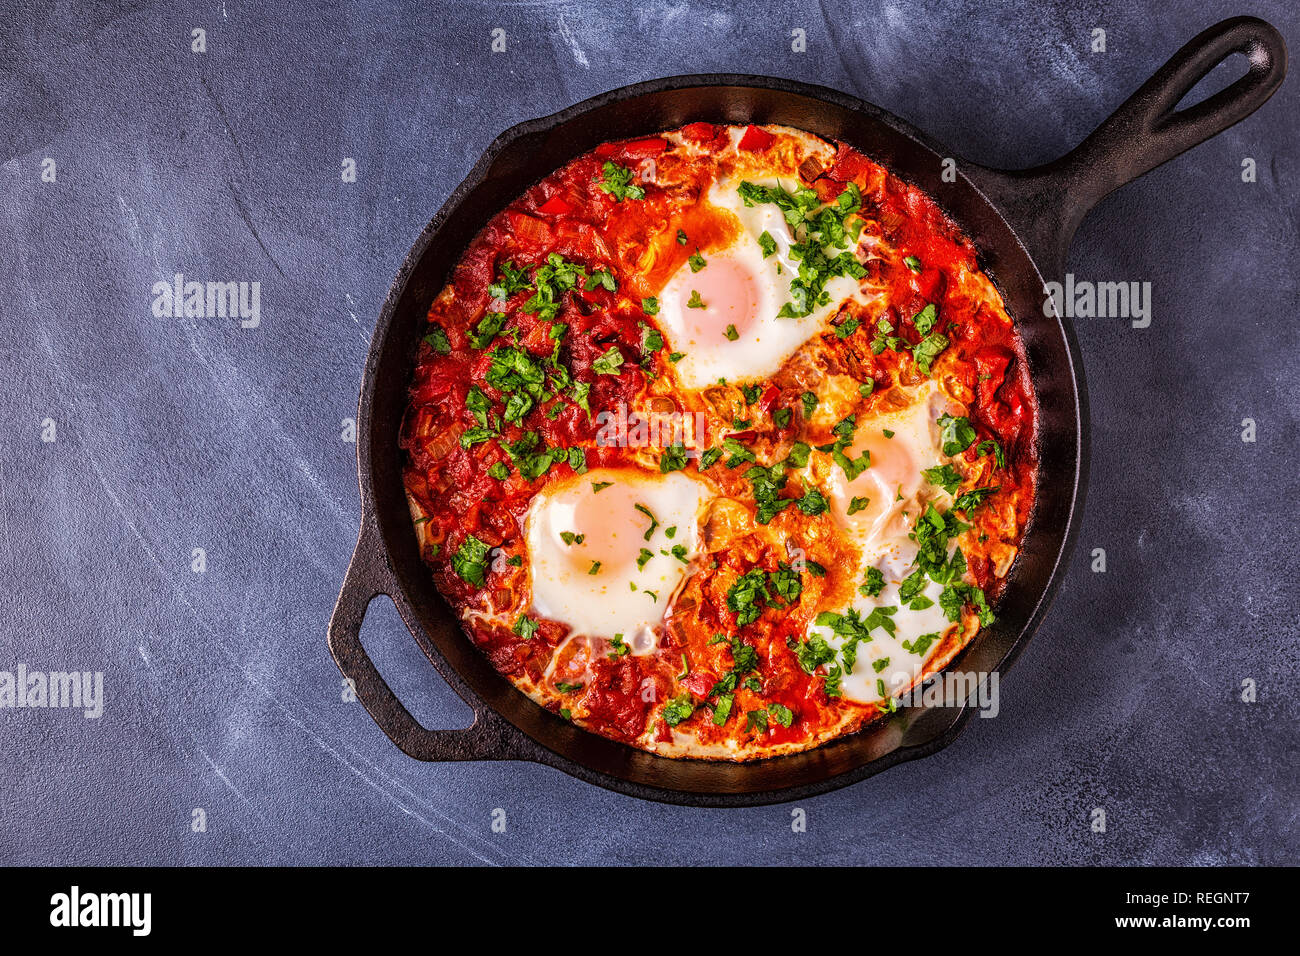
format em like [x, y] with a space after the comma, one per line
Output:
[1021, 223]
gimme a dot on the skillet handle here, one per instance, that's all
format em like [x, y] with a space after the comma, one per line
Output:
[368, 575]
[1047, 203]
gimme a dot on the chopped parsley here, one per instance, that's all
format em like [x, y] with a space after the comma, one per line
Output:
[744, 595]
[873, 583]
[550, 282]
[678, 709]
[509, 281]
[651, 340]
[925, 319]
[471, 560]
[972, 499]
[531, 457]
[473, 436]
[945, 476]
[987, 445]
[932, 532]
[737, 454]
[616, 180]
[582, 396]
[654, 522]
[847, 328]
[486, 329]
[673, 459]
[752, 587]
[798, 456]
[437, 339]
[813, 653]
[767, 484]
[609, 362]
[601, 278]
[813, 502]
[787, 583]
[927, 350]
[921, 644]
[883, 339]
[519, 374]
[957, 434]
[744, 659]
[852, 466]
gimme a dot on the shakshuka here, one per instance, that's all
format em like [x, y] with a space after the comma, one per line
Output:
[719, 441]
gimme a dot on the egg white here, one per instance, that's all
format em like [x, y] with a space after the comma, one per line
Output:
[760, 349]
[860, 684]
[620, 599]
[898, 494]
[894, 484]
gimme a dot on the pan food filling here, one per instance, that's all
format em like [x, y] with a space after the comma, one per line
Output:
[719, 441]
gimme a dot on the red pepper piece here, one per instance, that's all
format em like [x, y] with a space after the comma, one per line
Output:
[756, 138]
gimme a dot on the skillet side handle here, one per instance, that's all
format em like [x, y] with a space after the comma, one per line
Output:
[1047, 203]
[368, 576]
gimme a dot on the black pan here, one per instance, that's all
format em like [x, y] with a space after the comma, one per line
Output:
[1021, 224]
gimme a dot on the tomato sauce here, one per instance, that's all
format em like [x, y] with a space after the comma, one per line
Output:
[457, 496]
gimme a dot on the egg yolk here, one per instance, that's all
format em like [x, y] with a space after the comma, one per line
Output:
[892, 468]
[728, 291]
[612, 529]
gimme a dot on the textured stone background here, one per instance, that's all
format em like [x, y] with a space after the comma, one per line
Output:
[175, 434]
